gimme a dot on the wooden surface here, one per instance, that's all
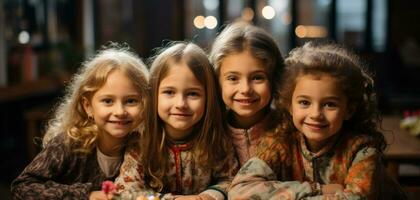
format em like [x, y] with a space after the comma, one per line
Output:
[402, 145]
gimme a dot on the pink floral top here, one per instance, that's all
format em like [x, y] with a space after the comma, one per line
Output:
[291, 171]
[246, 141]
[184, 177]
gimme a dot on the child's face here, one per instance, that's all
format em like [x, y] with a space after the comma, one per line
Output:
[318, 108]
[245, 87]
[181, 101]
[115, 107]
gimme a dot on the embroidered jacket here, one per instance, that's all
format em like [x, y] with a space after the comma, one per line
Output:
[246, 141]
[58, 172]
[184, 177]
[291, 171]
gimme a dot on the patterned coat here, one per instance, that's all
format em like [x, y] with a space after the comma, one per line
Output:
[57, 172]
[291, 171]
[184, 177]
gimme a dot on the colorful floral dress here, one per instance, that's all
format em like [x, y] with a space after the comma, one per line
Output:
[184, 176]
[291, 171]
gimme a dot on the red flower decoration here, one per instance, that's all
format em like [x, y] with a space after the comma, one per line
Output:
[108, 187]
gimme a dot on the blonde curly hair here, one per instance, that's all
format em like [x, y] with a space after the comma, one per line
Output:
[69, 115]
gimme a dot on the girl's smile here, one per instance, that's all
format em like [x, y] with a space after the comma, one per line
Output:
[318, 108]
[181, 101]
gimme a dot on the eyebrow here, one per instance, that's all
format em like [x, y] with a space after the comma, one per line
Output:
[326, 98]
[112, 95]
[238, 73]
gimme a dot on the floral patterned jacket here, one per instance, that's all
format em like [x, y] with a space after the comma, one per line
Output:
[291, 171]
[184, 176]
[57, 172]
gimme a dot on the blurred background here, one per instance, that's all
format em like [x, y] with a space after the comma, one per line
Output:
[42, 42]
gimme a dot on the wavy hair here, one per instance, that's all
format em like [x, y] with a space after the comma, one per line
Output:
[353, 78]
[69, 115]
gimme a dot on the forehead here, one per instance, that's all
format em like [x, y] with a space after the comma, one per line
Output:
[179, 74]
[321, 85]
[242, 62]
[118, 83]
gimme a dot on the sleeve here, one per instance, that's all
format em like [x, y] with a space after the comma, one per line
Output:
[39, 179]
[260, 177]
[131, 176]
[223, 177]
[359, 179]
[256, 180]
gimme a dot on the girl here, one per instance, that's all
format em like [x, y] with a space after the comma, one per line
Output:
[330, 146]
[84, 142]
[184, 149]
[248, 64]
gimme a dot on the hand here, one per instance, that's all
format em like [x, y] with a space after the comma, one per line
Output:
[99, 195]
[331, 188]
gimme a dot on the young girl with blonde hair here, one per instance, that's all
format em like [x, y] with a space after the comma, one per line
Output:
[248, 64]
[184, 152]
[328, 146]
[84, 143]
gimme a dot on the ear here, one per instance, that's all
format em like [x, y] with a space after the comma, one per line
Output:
[87, 106]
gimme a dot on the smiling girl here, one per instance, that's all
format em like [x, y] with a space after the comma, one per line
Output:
[248, 64]
[330, 148]
[184, 152]
[85, 139]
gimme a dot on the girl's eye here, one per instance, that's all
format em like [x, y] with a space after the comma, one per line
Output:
[304, 103]
[132, 101]
[168, 92]
[259, 78]
[231, 78]
[107, 101]
[330, 104]
[193, 94]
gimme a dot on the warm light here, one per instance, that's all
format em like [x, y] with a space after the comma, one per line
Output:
[268, 12]
[210, 22]
[302, 31]
[199, 22]
[247, 14]
[24, 37]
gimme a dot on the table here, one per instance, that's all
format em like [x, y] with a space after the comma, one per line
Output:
[403, 147]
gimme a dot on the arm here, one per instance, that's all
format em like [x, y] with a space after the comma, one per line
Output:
[359, 179]
[222, 176]
[40, 179]
[256, 180]
[131, 176]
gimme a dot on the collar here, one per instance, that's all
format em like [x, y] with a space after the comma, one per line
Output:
[260, 126]
[311, 155]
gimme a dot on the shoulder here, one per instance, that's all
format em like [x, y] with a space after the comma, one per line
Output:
[273, 149]
[357, 146]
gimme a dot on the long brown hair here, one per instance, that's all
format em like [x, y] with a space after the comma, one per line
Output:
[353, 78]
[209, 141]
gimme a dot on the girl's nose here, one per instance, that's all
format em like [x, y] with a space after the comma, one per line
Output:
[245, 87]
[119, 110]
[181, 102]
[316, 112]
